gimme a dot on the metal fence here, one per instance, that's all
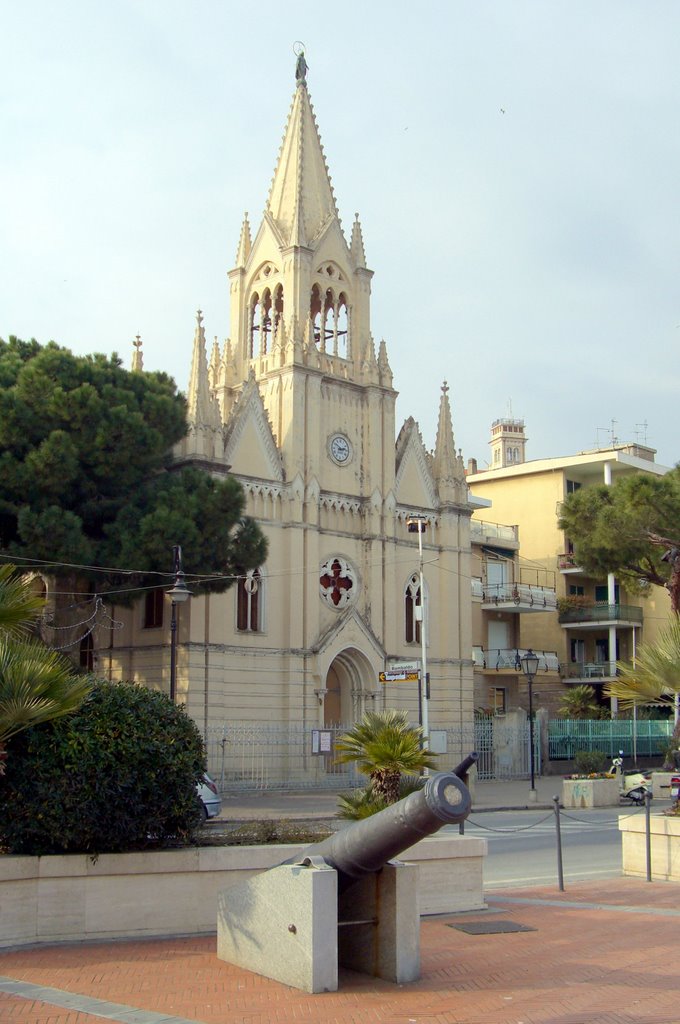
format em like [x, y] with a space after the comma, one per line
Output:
[643, 738]
[252, 756]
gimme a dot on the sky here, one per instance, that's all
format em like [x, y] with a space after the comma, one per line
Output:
[515, 165]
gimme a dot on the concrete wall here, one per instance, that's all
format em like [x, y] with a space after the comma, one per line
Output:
[665, 846]
[174, 892]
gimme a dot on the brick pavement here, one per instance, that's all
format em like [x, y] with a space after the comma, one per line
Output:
[603, 952]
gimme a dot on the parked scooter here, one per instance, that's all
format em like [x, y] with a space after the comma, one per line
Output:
[632, 785]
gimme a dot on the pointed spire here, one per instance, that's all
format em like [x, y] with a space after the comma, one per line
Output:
[357, 244]
[384, 365]
[137, 359]
[245, 243]
[214, 365]
[301, 199]
[202, 409]
[447, 468]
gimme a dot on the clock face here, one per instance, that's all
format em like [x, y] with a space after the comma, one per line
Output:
[340, 448]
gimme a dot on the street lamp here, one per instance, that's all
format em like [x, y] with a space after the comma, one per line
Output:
[178, 594]
[418, 524]
[530, 668]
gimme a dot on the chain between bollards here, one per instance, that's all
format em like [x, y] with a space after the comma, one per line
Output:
[560, 871]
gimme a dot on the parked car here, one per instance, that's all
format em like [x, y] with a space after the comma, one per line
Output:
[209, 796]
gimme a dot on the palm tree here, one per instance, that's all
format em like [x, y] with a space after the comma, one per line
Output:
[654, 677]
[580, 702]
[384, 746]
[36, 683]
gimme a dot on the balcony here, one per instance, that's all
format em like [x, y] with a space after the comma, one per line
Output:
[568, 565]
[493, 534]
[518, 597]
[593, 672]
[598, 614]
[510, 659]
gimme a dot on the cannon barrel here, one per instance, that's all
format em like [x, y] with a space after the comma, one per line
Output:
[465, 765]
[365, 846]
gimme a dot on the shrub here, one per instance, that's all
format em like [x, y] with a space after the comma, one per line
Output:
[118, 774]
[589, 762]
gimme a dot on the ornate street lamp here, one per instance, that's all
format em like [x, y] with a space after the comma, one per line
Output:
[178, 594]
[530, 668]
[418, 524]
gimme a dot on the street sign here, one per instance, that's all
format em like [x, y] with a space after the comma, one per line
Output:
[404, 666]
[399, 677]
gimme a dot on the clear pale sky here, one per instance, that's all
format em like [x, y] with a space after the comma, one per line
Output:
[515, 165]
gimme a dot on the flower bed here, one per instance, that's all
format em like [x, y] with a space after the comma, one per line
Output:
[590, 791]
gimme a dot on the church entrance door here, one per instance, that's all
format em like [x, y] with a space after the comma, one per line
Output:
[350, 688]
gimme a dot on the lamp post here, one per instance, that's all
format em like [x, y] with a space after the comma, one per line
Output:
[178, 594]
[530, 668]
[418, 524]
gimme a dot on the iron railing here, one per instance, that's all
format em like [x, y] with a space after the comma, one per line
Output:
[644, 737]
[601, 611]
[253, 756]
[511, 657]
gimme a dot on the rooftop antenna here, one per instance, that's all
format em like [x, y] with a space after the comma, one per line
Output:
[644, 426]
[614, 439]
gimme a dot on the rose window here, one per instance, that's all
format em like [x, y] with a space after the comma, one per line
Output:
[337, 582]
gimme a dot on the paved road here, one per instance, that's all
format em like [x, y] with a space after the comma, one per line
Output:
[523, 845]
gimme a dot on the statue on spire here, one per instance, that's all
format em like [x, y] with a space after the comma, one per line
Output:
[301, 65]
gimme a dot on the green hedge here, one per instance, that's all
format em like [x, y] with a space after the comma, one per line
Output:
[118, 774]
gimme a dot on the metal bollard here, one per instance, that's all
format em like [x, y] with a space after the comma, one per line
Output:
[560, 871]
[648, 831]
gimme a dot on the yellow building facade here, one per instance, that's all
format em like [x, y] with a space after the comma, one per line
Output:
[595, 622]
[299, 405]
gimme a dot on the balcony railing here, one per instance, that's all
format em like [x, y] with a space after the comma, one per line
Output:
[511, 658]
[567, 562]
[481, 532]
[521, 595]
[588, 671]
[601, 612]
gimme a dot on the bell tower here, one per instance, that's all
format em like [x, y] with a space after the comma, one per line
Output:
[508, 443]
[300, 324]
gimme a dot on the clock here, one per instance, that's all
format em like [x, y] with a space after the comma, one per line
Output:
[339, 448]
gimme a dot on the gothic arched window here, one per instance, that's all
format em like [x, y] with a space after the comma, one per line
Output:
[87, 652]
[315, 313]
[277, 311]
[254, 331]
[342, 327]
[412, 625]
[249, 602]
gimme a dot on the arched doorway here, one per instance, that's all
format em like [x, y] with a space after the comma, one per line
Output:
[351, 688]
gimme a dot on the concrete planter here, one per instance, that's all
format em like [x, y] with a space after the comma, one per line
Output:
[590, 793]
[665, 846]
[661, 785]
[174, 892]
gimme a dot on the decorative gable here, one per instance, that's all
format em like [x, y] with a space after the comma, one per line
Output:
[414, 484]
[249, 438]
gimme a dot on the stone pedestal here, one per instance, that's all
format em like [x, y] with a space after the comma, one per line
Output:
[290, 925]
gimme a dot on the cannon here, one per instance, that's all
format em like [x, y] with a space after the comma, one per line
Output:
[344, 900]
[366, 846]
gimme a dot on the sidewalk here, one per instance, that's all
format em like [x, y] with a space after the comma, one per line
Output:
[321, 804]
[603, 952]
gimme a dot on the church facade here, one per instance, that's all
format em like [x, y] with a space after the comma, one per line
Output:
[299, 405]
